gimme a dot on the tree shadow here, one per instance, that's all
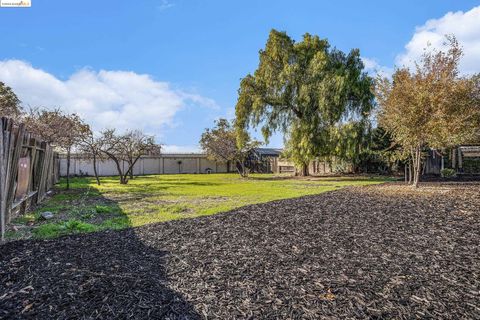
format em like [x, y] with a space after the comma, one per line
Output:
[201, 184]
[329, 177]
[270, 178]
[145, 185]
[106, 274]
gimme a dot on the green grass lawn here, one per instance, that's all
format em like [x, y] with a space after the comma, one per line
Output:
[88, 207]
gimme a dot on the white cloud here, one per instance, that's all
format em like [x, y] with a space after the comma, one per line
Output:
[164, 5]
[466, 28]
[106, 99]
[374, 68]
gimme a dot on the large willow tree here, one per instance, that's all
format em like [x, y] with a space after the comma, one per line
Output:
[304, 90]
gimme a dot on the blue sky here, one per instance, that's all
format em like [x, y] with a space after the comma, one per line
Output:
[183, 60]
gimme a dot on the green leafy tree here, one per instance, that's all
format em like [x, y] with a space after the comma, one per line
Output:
[9, 102]
[431, 106]
[220, 144]
[352, 141]
[383, 154]
[303, 90]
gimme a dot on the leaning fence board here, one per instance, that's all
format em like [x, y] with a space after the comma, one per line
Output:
[13, 174]
[16, 144]
[3, 201]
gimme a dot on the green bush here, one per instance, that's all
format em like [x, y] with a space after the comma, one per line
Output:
[79, 226]
[50, 230]
[448, 173]
[103, 209]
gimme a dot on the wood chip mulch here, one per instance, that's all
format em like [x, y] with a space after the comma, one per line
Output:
[381, 252]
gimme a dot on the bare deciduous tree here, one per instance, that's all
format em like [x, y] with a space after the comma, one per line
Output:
[91, 146]
[59, 129]
[128, 148]
[137, 144]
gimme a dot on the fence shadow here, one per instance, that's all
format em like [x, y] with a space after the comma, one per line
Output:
[107, 274]
[104, 274]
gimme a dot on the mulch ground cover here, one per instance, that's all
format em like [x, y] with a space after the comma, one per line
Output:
[380, 252]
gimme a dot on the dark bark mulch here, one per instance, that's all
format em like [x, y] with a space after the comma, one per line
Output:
[377, 252]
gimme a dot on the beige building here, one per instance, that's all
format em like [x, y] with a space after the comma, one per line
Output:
[261, 160]
[162, 164]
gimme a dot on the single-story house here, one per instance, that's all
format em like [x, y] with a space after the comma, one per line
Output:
[465, 159]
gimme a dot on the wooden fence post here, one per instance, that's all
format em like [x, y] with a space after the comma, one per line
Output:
[3, 201]
[12, 175]
[15, 142]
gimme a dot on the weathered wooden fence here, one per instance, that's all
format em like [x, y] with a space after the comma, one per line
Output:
[28, 169]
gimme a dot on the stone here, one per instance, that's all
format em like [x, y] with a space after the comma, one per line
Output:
[47, 215]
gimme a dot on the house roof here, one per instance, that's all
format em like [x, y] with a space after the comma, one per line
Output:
[470, 151]
[268, 152]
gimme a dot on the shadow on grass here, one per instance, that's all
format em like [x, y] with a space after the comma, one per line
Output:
[87, 274]
[75, 211]
[148, 184]
[270, 178]
[108, 274]
[331, 177]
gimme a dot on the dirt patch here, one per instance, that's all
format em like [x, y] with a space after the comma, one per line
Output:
[380, 252]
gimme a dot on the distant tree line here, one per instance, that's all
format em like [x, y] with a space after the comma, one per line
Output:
[326, 105]
[321, 99]
[68, 132]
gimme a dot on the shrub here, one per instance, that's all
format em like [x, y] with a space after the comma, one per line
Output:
[50, 230]
[448, 173]
[79, 226]
[103, 209]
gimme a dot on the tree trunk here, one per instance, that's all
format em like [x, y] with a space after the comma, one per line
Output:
[410, 175]
[414, 165]
[131, 164]
[130, 170]
[95, 168]
[417, 166]
[303, 171]
[68, 168]
[123, 180]
[241, 169]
